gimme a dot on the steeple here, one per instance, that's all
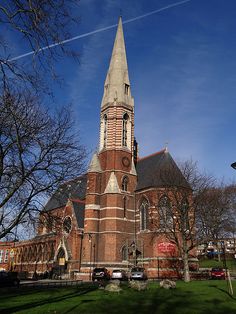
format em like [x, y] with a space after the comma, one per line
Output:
[117, 84]
[117, 108]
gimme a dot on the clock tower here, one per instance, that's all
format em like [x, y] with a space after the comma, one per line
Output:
[109, 211]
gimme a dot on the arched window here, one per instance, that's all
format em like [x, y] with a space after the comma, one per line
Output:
[67, 224]
[21, 256]
[125, 129]
[39, 253]
[44, 225]
[124, 253]
[126, 89]
[61, 253]
[105, 130]
[51, 251]
[143, 214]
[34, 253]
[124, 185]
[30, 255]
[24, 252]
[165, 214]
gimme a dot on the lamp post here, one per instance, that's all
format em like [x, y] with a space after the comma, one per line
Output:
[90, 257]
[230, 287]
[133, 246]
[81, 247]
[233, 165]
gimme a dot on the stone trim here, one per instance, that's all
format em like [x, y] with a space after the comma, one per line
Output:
[112, 185]
[110, 218]
[105, 208]
[110, 231]
[92, 206]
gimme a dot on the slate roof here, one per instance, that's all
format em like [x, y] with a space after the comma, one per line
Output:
[159, 170]
[79, 213]
[75, 190]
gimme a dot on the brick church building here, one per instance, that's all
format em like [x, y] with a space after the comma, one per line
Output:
[110, 216]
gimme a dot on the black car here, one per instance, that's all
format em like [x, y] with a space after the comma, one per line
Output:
[9, 279]
[100, 274]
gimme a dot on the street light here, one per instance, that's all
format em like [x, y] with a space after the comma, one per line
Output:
[233, 165]
[81, 247]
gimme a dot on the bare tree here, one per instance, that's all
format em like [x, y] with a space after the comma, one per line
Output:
[38, 151]
[196, 215]
[177, 208]
[34, 25]
[215, 214]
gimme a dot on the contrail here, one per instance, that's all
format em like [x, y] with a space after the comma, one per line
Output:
[99, 30]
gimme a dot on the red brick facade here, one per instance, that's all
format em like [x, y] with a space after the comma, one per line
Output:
[119, 228]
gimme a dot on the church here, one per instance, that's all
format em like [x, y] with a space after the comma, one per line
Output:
[108, 217]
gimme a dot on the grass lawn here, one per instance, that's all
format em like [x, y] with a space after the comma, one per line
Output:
[197, 297]
[209, 263]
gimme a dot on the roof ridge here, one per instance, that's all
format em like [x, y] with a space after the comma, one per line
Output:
[73, 179]
[154, 154]
[77, 200]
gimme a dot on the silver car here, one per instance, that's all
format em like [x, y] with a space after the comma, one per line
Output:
[119, 274]
[138, 273]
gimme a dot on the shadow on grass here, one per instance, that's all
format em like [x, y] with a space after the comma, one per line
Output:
[27, 306]
[223, 290]
[155, 301]
[183, 300]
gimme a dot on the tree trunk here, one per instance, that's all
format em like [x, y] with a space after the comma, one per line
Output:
[186, 267]
[218, 251]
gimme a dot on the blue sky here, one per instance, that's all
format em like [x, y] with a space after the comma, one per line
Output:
[182, 68]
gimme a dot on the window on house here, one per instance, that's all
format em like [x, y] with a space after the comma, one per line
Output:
[39, 254]
[125, 129]
[124, 253]
[6, 256]
[44, 224]
[165, 214]
[1, 256]
[143, 214]
[126, 89]
[52, 252]
[67, 224]
[105, 130]
[31, 254]
[61, 253]
[124, 185]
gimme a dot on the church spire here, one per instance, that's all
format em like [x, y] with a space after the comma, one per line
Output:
[117, 84]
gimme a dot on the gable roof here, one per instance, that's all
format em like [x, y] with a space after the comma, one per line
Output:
[159, 170]
[73, 189]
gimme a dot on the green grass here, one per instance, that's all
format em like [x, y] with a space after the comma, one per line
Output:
[197, 297]
[209, 263]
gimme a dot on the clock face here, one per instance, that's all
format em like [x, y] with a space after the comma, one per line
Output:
[125, 161]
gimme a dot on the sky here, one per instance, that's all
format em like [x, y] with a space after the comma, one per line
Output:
[182, 69]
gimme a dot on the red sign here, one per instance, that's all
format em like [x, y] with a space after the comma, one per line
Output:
[166, 247]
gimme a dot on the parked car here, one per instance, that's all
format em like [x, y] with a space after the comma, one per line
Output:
[138, 273]
[100, 274]
[119, 274]
[217, 273]
[8, 279]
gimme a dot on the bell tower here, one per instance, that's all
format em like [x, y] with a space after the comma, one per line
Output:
[112, 178]
[117, 107]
